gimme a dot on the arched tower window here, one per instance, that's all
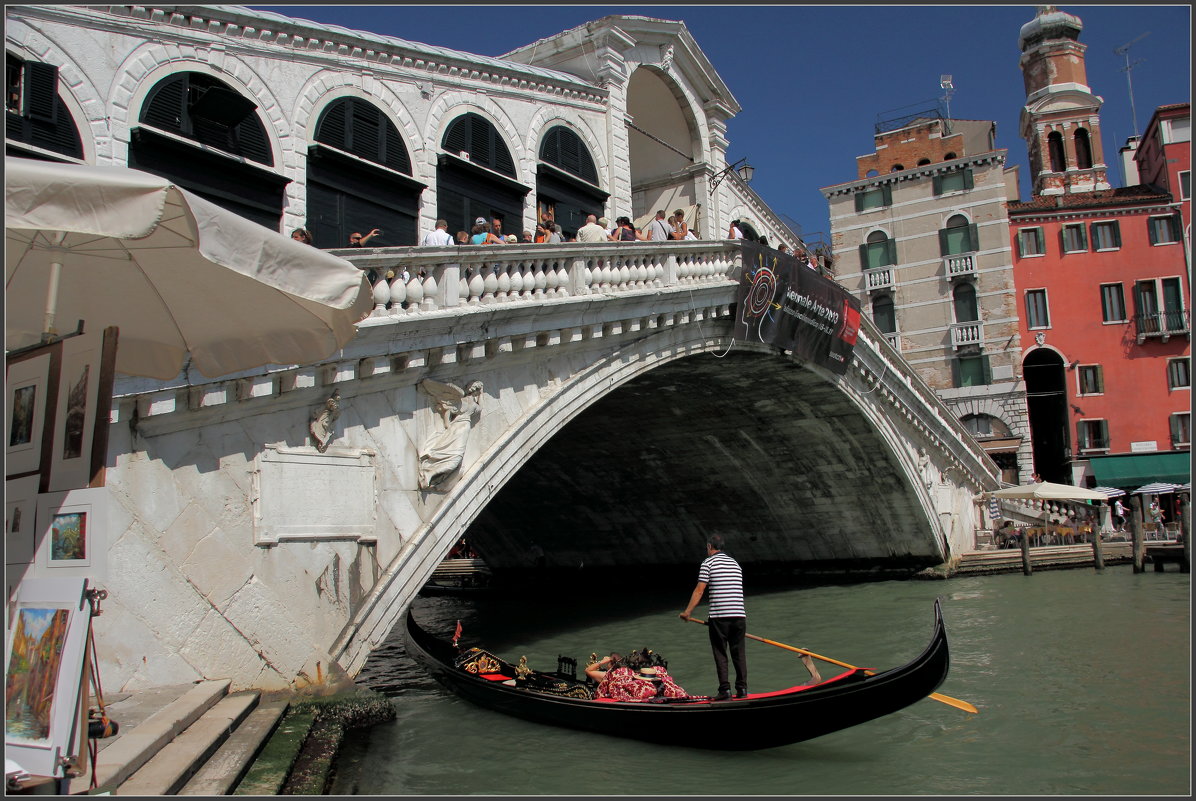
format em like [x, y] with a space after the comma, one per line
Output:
[355, 126]
[562, 148]
[476, 136]
[202, 108]
[964, 299]
[1055, 150]
[1083, 149]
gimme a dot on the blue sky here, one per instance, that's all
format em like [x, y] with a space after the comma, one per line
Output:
[812, 80]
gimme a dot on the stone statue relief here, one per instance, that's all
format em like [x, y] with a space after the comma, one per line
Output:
[442, 453]
[321, 427]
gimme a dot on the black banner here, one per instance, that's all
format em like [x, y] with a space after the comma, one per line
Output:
[783, 302]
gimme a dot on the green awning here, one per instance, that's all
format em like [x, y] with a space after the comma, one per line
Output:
[1134, 470]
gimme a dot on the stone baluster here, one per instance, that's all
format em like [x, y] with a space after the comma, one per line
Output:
[522, 281]
[430, 293]
[490, 285]
[587, 276]
[381, 298]
[641, 272]
[552, 281]
[415, 294]
[537, 281]
[624, 279]
[477, 286]
[398, 294]
[503, 293]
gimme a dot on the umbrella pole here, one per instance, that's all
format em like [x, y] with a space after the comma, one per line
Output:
[48, 331]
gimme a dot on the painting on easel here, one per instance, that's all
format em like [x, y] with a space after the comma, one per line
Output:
[43, 673]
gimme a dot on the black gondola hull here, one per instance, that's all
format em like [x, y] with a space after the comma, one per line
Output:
[762, 720]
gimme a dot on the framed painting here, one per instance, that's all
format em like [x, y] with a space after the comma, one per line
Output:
[75, 415]
[43, 673]
[20, 508]
[72, 535]
[27, 387]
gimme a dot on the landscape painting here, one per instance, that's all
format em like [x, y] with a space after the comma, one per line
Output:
[31, 678]
[68, 537]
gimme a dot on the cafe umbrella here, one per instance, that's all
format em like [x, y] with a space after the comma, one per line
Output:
[1049, 491]
[174, 272]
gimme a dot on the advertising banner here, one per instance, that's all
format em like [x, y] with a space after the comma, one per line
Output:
[783, 302]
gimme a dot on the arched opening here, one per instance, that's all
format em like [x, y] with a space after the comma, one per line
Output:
[567, 181]
[923, 162]
[359, 177]
[878, 250]
[35, 113]
[963, 298]
[1055, 151]
[884, 314]
[949, 156]
[662, 148]
[997, 440]
[1046, 402]
[958, 236]
[897, 168]
[188, 120]
[1083, 149]
[476, 176]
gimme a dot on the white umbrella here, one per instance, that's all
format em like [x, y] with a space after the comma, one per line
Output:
[1045, 490]
[175, 272]
[1157, 488]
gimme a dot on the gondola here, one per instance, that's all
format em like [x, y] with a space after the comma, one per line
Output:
[761, 720]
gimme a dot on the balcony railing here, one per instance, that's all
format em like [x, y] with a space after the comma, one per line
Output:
[963, 334]
[879, 278]
[1163, 325]
[960, 266]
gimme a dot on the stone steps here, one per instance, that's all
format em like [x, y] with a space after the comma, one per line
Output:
[200, 743]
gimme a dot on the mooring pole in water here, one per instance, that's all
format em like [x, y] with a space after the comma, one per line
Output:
[1098, 559]
[1026, 569]
[1136, 528]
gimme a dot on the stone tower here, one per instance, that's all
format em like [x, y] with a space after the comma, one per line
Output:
[1061, 119]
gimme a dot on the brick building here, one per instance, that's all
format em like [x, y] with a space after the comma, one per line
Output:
[1102, 279]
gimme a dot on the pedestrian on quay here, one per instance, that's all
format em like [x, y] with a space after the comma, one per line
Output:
[1118, 515]
[727, 619]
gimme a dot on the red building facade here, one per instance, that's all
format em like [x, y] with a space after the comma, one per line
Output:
[1102, 281]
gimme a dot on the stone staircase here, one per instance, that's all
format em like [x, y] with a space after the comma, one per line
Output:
[200, 743]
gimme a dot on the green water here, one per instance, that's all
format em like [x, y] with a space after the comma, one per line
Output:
[1082, 679]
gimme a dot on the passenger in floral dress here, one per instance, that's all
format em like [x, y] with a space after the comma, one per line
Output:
[620, 682]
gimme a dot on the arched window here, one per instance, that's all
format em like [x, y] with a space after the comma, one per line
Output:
[923, 162]
[373, 190]
[1055, 150]
[884, 314]
[985, 426]
[474, 137]
[34, 112]
[355, 126]
[879, 250]
[949, 156]
[897, 168]
[1083, 149]
[964, 298]
[192, 107]
[567, 181]
[958, 236]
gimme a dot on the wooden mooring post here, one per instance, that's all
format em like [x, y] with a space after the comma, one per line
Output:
[1136, 528]
[1098, 559]
[1026, 569]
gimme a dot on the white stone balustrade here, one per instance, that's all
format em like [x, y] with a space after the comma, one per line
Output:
[480, 275]
[967, 334]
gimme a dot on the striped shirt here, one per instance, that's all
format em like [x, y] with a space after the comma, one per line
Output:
[724, 583]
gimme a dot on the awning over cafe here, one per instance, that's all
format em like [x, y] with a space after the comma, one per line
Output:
[1134, 470]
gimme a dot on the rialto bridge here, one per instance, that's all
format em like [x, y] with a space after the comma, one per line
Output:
[273, 526]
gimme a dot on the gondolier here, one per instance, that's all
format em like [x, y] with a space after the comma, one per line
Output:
[728, 618]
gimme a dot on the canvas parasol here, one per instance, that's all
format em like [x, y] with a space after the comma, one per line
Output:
[1110, 492]
[1047, 491]
[176, 273]
[1157, 488]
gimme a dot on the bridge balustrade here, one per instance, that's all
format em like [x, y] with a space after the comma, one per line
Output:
[448, 277]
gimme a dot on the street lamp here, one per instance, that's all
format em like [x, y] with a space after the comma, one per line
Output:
[741, 168]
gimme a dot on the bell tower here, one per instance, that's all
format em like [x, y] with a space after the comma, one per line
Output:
[1061, 119]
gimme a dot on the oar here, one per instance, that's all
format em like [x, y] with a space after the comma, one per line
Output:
[946, 699]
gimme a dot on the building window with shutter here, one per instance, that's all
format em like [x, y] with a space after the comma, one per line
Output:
[1030, 242]
[1181, 430]
[35, 114]
[1106, 235]
[971, 371]
[878, 251]
[1092, 379]
[958, 237]
[473, 137]
[1178, 375]
[1185, 185]
[884, 314]
[954, 181]
[1112, 302]
[1074, 238]
[874, 198]
[1164, 230]
[1093, 435]
[1037, 312]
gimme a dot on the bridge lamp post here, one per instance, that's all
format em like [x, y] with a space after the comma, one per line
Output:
[741, 168]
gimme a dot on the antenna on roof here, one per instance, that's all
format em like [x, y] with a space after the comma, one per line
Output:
[1124, 50]
[948, 89]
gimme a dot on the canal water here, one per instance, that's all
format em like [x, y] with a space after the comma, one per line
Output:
[1082, 679]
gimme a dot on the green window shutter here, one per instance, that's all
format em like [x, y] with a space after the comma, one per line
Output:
[944, 245]
[987, 370]
[1100, 379]
[968, 180]
[864, 257]
[955, 372]
[1021, 250]
[1153, 229]
[1117, 233]
[891, 250]
[886, 192]
[973, 237]
[938, 184]
[859, 200]
[41, 91]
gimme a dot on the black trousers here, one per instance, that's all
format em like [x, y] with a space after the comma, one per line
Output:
[728, 633]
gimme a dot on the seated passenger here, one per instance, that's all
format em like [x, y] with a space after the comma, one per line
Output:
[632, 680]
